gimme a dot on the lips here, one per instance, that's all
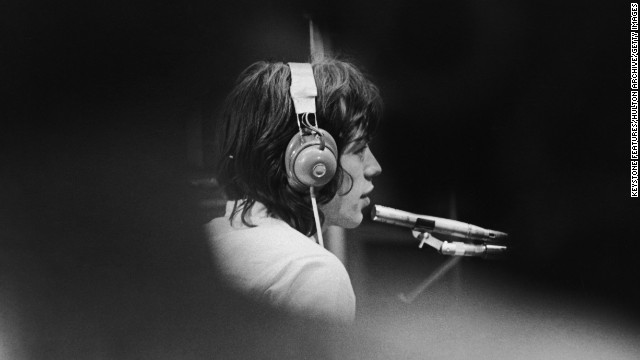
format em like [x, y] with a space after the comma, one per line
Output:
[367, 201]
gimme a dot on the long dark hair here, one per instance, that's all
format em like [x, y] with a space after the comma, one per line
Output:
[258, 120]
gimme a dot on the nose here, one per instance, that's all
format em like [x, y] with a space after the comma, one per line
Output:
[371, 167]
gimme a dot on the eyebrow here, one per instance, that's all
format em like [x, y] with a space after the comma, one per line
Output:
[355, 144]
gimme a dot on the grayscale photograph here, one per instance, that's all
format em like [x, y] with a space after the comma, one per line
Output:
[319, 180]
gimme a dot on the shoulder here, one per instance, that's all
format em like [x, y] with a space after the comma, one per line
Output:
[281, 266]
[268, 234]
[270, 244]
[257, 256]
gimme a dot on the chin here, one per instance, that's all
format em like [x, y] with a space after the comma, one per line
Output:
[344, 217]
[352, 222]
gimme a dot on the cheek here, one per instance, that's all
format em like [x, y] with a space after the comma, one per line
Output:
[345, 208]
[351, 210]
[343, 211]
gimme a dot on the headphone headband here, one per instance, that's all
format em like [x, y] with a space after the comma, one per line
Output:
[303, 88]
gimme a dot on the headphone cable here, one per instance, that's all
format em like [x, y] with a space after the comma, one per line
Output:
[316, 216]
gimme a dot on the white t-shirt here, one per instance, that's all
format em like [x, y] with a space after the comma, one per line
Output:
[275, 264]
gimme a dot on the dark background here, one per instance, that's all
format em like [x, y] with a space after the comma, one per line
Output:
[518, 111]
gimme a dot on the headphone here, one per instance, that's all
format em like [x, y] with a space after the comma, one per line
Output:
[311, 156]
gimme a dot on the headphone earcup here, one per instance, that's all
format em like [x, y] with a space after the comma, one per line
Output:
[307, 164]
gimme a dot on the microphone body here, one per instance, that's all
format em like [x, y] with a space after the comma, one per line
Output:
[432, 224]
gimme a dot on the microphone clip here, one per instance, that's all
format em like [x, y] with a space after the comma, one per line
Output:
[455, 248]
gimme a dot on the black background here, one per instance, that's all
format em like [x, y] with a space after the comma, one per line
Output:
[519, 110]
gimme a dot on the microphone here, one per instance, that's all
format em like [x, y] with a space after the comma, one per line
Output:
[424, 225]
[432, 224]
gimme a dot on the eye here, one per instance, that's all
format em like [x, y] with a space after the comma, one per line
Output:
[360, 150]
